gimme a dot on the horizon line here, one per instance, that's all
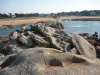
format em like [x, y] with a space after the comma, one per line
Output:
[51, 12]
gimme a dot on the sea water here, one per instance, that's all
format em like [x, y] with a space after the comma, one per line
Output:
[70, 26]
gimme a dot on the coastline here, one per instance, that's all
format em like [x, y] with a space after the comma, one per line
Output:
[47, 47]
[17, 21]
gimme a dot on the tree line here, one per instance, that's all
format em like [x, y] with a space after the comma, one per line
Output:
[18, 15]
[72, 13]
[80, 13]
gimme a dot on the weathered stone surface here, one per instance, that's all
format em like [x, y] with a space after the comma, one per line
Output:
[7, 60]
[49, 34]
[23, 27]
[7, 46]
[14, 35]
[19, 59]
[1, 58]
[55, 36]
[98, 51]
[54, 43]
[56, 25]
[26, 41]
[48, 61]
[74, 50]
[83, 46]
[38, 40]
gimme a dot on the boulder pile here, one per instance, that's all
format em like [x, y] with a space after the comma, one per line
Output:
[46, 49]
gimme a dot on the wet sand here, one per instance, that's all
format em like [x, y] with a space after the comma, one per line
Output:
[16, 21]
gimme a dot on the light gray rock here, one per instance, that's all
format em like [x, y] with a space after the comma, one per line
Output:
[14, 35]
[83, 46]
[74, 50]
[53, 43]
[23, 27]
[48, 61]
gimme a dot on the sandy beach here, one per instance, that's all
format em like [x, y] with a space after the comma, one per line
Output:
[16, 21]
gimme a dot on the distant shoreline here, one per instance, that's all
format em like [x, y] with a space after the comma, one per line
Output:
[17, 21]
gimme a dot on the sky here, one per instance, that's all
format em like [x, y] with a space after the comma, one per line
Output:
[47, 6]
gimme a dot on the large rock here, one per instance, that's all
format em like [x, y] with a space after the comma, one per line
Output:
[48, 61]
[38, 40]
[38, 28]
[43, 27]
[24, 27]
[7, 60]
[98, 51]
[49, 34]
[25, 41]
[83, 46]
[7, 46]
[54, 43]
[1, 58]
[53, 33]
[56, 25]
[14, 35]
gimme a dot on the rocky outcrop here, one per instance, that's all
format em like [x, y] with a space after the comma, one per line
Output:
[83, 46]
[46, 34]
[49, 35]
[46, 49]
[48, 61]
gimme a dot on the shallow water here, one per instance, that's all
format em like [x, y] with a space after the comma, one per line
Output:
[5, 31]
[70, 26]
[82, 26]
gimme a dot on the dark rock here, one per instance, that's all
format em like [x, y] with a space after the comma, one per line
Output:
[42, 27]
[3, 39]
[85, 35]
[38, 28]
[7, 46]
[83, 46]
[7, 60]
[48, 33]
[95, 35]
[1, 58]
[53, 33]
[56, 25]
[38, 40]
[98, 51]
[92, 41]
[25, 41]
